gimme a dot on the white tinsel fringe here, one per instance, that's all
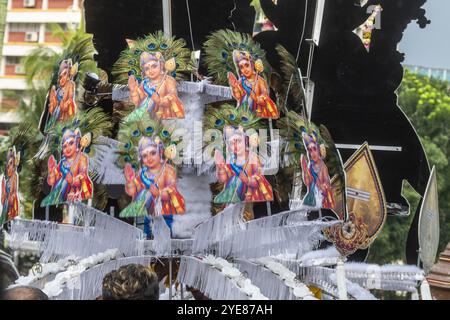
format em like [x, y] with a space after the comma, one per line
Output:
[88, 284]
[70, 277]
[252, 242]
[103, 163]
[217, 279]
[218, 227]
[98, 232]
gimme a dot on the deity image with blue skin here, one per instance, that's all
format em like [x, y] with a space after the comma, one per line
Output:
[156, 92]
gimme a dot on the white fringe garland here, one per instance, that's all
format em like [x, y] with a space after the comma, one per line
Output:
[217, 228]
[103, 163]
[252, 242]
[88, 284]
[98, 233]
[70, 278]
[217, 279]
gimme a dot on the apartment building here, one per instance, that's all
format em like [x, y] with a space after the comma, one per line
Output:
[437, 73]
[26, 25]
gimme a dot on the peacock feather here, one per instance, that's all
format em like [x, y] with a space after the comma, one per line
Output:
[129, 61]
[292, 81]
[131, 132]
[219, 53]
[94, 121]
[292, 128]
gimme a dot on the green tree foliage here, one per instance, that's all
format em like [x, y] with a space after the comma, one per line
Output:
[427, 104]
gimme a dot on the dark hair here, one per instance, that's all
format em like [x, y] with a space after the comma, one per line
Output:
[131, 282]
[24, 293]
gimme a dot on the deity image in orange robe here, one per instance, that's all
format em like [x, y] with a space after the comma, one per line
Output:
[315, 175]
[241, 174]
[250, 89]
[62, 105]
[69, 178]
[157, 92]
[10, 188]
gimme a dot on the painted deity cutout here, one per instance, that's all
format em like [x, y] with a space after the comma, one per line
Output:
[153, 187]
[10, 187]
[69, 178]
[315, 174]
[364, 31]
[241, 173]
[156, 92]
[61, 103]
[250, 89]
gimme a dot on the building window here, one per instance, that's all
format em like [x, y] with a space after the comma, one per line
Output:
[13, 60]
[24, 27]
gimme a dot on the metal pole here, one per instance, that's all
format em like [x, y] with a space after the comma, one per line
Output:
[170, 276]
[167, 17]
[47, 213]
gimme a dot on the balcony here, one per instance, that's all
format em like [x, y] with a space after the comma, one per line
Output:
[13, 82]
[21, 49]
[43, 16]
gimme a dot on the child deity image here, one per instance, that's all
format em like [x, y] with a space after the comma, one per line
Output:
[241, 173]
[315, 174]
[10, 187]
[157, 91]
[250, 89]
[62, 105]
[69, 178]
[153, 187]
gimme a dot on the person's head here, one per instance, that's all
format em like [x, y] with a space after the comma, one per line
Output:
[11, 162]
[244, 63]
[131, 282]
[150, 152]
[152, 65]
[236, 140]
[24, 293]
[70, 143]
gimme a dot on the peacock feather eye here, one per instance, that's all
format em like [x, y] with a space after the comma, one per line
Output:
[235, 45]
[87, 150]
[224, 55]
[136, 133]
[127, 146]
[131, 73]
[163, 46]
[296, 136]
[173, 74]
[242, 46]
[219, 122]
[127, 159]
[151, 46]
[137, 52]
[131, 62]
[244, 119]
[232, 116]
[165, 134]
[298, 146]
[134, 166]
[139, 79]
[149, 130]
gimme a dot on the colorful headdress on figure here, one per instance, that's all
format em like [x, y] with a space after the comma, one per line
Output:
[12, 154]
[147, 142]
[131, 143]
[146, 57]
[68, 66]
[69, 133]
[313, 137]
[174, 56]
[224, 47]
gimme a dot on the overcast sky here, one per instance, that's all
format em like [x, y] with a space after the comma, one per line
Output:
[429, 47]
